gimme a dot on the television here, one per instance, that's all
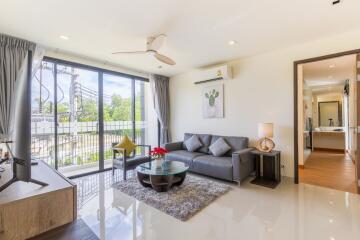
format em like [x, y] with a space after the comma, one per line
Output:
[20, 144]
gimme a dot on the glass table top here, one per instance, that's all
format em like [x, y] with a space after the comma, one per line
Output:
[164, 168]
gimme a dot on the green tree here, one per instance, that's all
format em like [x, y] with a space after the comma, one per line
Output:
[120, 108]
[107, 112]
[138, 109]
[89, 110]
[63, 112]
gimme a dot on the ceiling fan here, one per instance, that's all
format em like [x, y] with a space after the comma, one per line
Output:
[153, 44]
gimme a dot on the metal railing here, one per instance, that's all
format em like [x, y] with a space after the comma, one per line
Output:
[78, 143]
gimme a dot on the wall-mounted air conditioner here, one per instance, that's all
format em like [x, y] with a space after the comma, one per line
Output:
[222, 72]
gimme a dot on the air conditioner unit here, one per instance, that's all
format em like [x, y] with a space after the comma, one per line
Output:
[222, 72]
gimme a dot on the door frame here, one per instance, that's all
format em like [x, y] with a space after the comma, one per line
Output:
[296, 89]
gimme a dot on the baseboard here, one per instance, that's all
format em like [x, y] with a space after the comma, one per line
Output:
[301, 166]
[330, 150]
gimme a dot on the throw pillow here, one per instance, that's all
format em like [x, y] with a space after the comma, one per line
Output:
[127, 144]
[193, 143]
[219, 147]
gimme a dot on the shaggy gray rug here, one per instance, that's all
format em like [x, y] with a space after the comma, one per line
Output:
[181, 202]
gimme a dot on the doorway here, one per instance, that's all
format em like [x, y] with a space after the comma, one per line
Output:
[326, 123]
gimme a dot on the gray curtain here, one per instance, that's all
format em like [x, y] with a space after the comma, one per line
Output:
[160, 90]
[13, 64]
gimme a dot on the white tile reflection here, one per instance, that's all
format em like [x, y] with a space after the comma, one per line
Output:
[301, 212]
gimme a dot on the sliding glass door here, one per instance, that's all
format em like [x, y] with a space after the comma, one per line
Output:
[117, 108]
[78, 112]
[77, 120]
[43, 114]
[140, 112]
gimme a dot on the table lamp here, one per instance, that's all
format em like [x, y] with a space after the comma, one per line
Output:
[265, 133]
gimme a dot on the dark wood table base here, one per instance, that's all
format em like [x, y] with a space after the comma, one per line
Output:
[271, 168]
[161, 183]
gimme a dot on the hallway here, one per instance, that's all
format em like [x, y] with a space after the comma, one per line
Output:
[329, 169]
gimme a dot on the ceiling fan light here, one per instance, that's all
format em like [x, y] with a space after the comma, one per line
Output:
[232, 42]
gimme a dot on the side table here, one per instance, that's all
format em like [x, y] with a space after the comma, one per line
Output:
[268, 168]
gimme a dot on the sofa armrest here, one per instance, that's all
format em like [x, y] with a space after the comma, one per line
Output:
[174, 146]
[244, 155]
[243, 163]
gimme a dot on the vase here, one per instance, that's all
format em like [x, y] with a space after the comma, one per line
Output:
[159, 162]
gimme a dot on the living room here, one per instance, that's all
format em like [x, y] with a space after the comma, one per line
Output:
[157, 119]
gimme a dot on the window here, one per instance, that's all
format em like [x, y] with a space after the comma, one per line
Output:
[81, 138]
[118, 109]
[43, 114]
[77, 120]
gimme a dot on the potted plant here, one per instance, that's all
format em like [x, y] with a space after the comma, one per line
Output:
[158, 154]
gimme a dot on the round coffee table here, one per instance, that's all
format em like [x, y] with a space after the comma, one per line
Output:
[161, 178]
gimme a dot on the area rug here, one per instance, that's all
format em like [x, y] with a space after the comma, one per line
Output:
[181, 202]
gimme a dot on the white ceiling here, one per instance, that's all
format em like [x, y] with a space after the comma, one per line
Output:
[198, 31]
[331, 72]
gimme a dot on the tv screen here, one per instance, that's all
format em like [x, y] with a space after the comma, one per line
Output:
[21, 146]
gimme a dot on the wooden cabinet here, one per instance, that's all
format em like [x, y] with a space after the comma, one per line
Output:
[27, 210]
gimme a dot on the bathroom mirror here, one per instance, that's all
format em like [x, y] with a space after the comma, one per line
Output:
[330, 114]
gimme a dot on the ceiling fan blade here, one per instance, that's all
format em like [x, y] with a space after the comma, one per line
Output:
[164, 59]
[155, 43]
[131, 52]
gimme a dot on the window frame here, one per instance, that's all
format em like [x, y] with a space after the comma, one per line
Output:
[101, 72]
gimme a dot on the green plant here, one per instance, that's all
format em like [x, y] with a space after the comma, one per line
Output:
[212, 95]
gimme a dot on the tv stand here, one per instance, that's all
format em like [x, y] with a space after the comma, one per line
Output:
[27, 210]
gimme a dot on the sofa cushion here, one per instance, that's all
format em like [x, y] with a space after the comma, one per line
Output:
[205, 139]
[219, 147]
[236, 143]
[193, 143]
[182, 156]
[219, 167]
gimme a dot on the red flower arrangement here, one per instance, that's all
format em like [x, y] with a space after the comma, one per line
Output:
[158, 152]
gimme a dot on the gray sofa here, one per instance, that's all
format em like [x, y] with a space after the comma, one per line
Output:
[235, 165]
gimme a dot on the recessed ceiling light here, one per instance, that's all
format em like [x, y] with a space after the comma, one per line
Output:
[332, 66]
[232, 42]
[331, 221]
[63, 37]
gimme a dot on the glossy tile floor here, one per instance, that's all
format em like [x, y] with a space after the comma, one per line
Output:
[300, 212]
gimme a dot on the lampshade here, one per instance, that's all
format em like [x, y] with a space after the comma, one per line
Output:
[266, 130]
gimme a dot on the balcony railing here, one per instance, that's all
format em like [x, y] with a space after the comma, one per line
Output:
[78, 143]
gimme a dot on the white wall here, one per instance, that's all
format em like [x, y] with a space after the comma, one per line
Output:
[261, 91]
